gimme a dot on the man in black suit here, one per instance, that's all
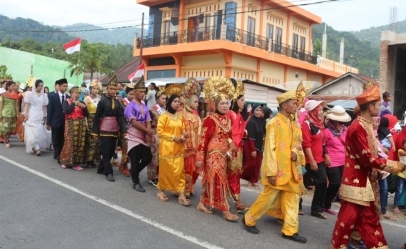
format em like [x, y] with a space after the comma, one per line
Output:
[56, 117]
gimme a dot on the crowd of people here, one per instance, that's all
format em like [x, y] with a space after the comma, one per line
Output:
[160, 129]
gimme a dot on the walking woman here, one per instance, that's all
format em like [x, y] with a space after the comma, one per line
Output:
[171, 133]
[312, 131]
[253, 147]
[334, 140]
[215, 149]
[73, 151]
[91, 101]
[8, 112]
[35, 115]
[193, 126]
[156, 111]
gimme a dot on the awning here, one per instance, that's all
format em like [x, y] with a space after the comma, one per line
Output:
[349, 104]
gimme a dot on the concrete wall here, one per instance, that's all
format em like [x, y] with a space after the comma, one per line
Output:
[48, 69]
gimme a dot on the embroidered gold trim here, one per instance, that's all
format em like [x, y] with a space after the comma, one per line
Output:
[358, 195]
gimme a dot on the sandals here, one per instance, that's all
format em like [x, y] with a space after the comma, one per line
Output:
[231, 217]
[301, 212]
[184, 201]
[241, 208]
[7, 145]
[396, 211]
[252, 185]
[77, 167]
[318, 215]
[388, 217]
[63, 166]
[200, 207]
[161, 196]
[330, 211]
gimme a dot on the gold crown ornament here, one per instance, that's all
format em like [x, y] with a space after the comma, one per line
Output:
[239, 89]
[192, 87]
[218, 86]
[161, 90]
[30, 81]
[140, 83]
[301, 93]
[174, 89]
[96, 83]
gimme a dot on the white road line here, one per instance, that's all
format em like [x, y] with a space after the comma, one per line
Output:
[308, 205]
[158, 225]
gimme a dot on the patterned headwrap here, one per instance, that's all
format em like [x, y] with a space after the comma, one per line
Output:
[313, 117]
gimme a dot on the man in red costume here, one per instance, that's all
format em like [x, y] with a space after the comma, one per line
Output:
[359, 206]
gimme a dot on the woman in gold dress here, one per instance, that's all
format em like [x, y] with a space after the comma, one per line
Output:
[8, 112]
[170, 130]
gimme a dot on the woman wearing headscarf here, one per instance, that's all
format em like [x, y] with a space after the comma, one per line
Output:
[91, 102]
[193, 128]
[238, 133]
[170, 130]
[253, 147]
[334, 140]
[155, 112]
[74, 148]
[35, 114]
[215, 149]
[8, 112]
[312, 131]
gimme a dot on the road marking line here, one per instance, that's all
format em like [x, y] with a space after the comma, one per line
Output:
[158, 225]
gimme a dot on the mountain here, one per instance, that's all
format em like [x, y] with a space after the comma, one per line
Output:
[103, 35]
[373, 34]
[357, 53]
[16, 30]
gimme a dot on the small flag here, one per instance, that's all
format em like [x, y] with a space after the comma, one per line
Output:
[138, 73]
[72, 46]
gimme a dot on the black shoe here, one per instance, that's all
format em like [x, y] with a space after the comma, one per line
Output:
[138, 187]
[100, 172]
[250, 229]
[110, 178]
[295, 237]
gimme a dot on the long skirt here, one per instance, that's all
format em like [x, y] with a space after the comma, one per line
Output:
[251, 166]
[190, 173]
[215, 188]
[153, 168]
[19, 127]
[35, 136]
[74, 147]
[92, 149]
[8, 125]
[172, 174]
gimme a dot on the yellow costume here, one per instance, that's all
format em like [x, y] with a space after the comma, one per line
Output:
[283, 136]
[171, 154]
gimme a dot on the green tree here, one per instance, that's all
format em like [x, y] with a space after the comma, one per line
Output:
[4, 74]
[317, 47]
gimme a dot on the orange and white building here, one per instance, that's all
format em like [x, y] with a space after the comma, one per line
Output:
[264, 41]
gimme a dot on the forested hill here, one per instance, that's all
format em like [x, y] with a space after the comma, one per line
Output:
[15, 30]
[100, 34]
[373, 34]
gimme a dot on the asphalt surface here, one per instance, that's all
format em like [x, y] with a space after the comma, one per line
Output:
[45, 206]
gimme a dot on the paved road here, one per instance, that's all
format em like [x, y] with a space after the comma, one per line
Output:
[45, 206]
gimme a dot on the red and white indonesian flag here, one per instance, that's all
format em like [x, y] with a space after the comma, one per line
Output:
[72, 46]
[138, 73]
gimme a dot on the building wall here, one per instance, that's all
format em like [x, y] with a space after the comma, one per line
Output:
[349, 86]
[48, 69]
[271, 73]
[314, 77]
[291, 74]
[203, 66]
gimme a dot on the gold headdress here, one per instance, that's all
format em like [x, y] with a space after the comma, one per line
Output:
[192, 87]
[301, 93]
[95, 83]
[367, 86]
[160, 91]
[30, 81]
[140, 83]
[112, 81]
[239, 89]
[174, 89]
[218, 86]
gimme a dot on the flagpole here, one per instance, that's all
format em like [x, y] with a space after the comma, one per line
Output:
[142, 36]
[77, 75]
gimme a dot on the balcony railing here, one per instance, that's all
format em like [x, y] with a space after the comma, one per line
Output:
[223, 32]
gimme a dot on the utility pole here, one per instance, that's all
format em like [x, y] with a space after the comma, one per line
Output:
[142, 36]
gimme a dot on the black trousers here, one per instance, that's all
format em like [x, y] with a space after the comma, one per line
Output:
[140, 156]
[334, 175]
[320, 182]
[58, 140]
[107, 148]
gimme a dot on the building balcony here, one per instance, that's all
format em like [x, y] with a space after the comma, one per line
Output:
[167, 41]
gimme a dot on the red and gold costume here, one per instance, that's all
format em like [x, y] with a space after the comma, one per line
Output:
[193, 128]
[359, 189]
[212, 151]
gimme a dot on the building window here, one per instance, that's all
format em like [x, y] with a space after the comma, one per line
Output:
[150, 30]
[230, 19]
[302, 44]
[295, 42]
[251, 31]
[167, 28]
[154, 74]
[269, 31]
[207, 23]
[216, 28]
[278, 40]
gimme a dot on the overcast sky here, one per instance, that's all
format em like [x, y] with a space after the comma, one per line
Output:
[341, 15]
